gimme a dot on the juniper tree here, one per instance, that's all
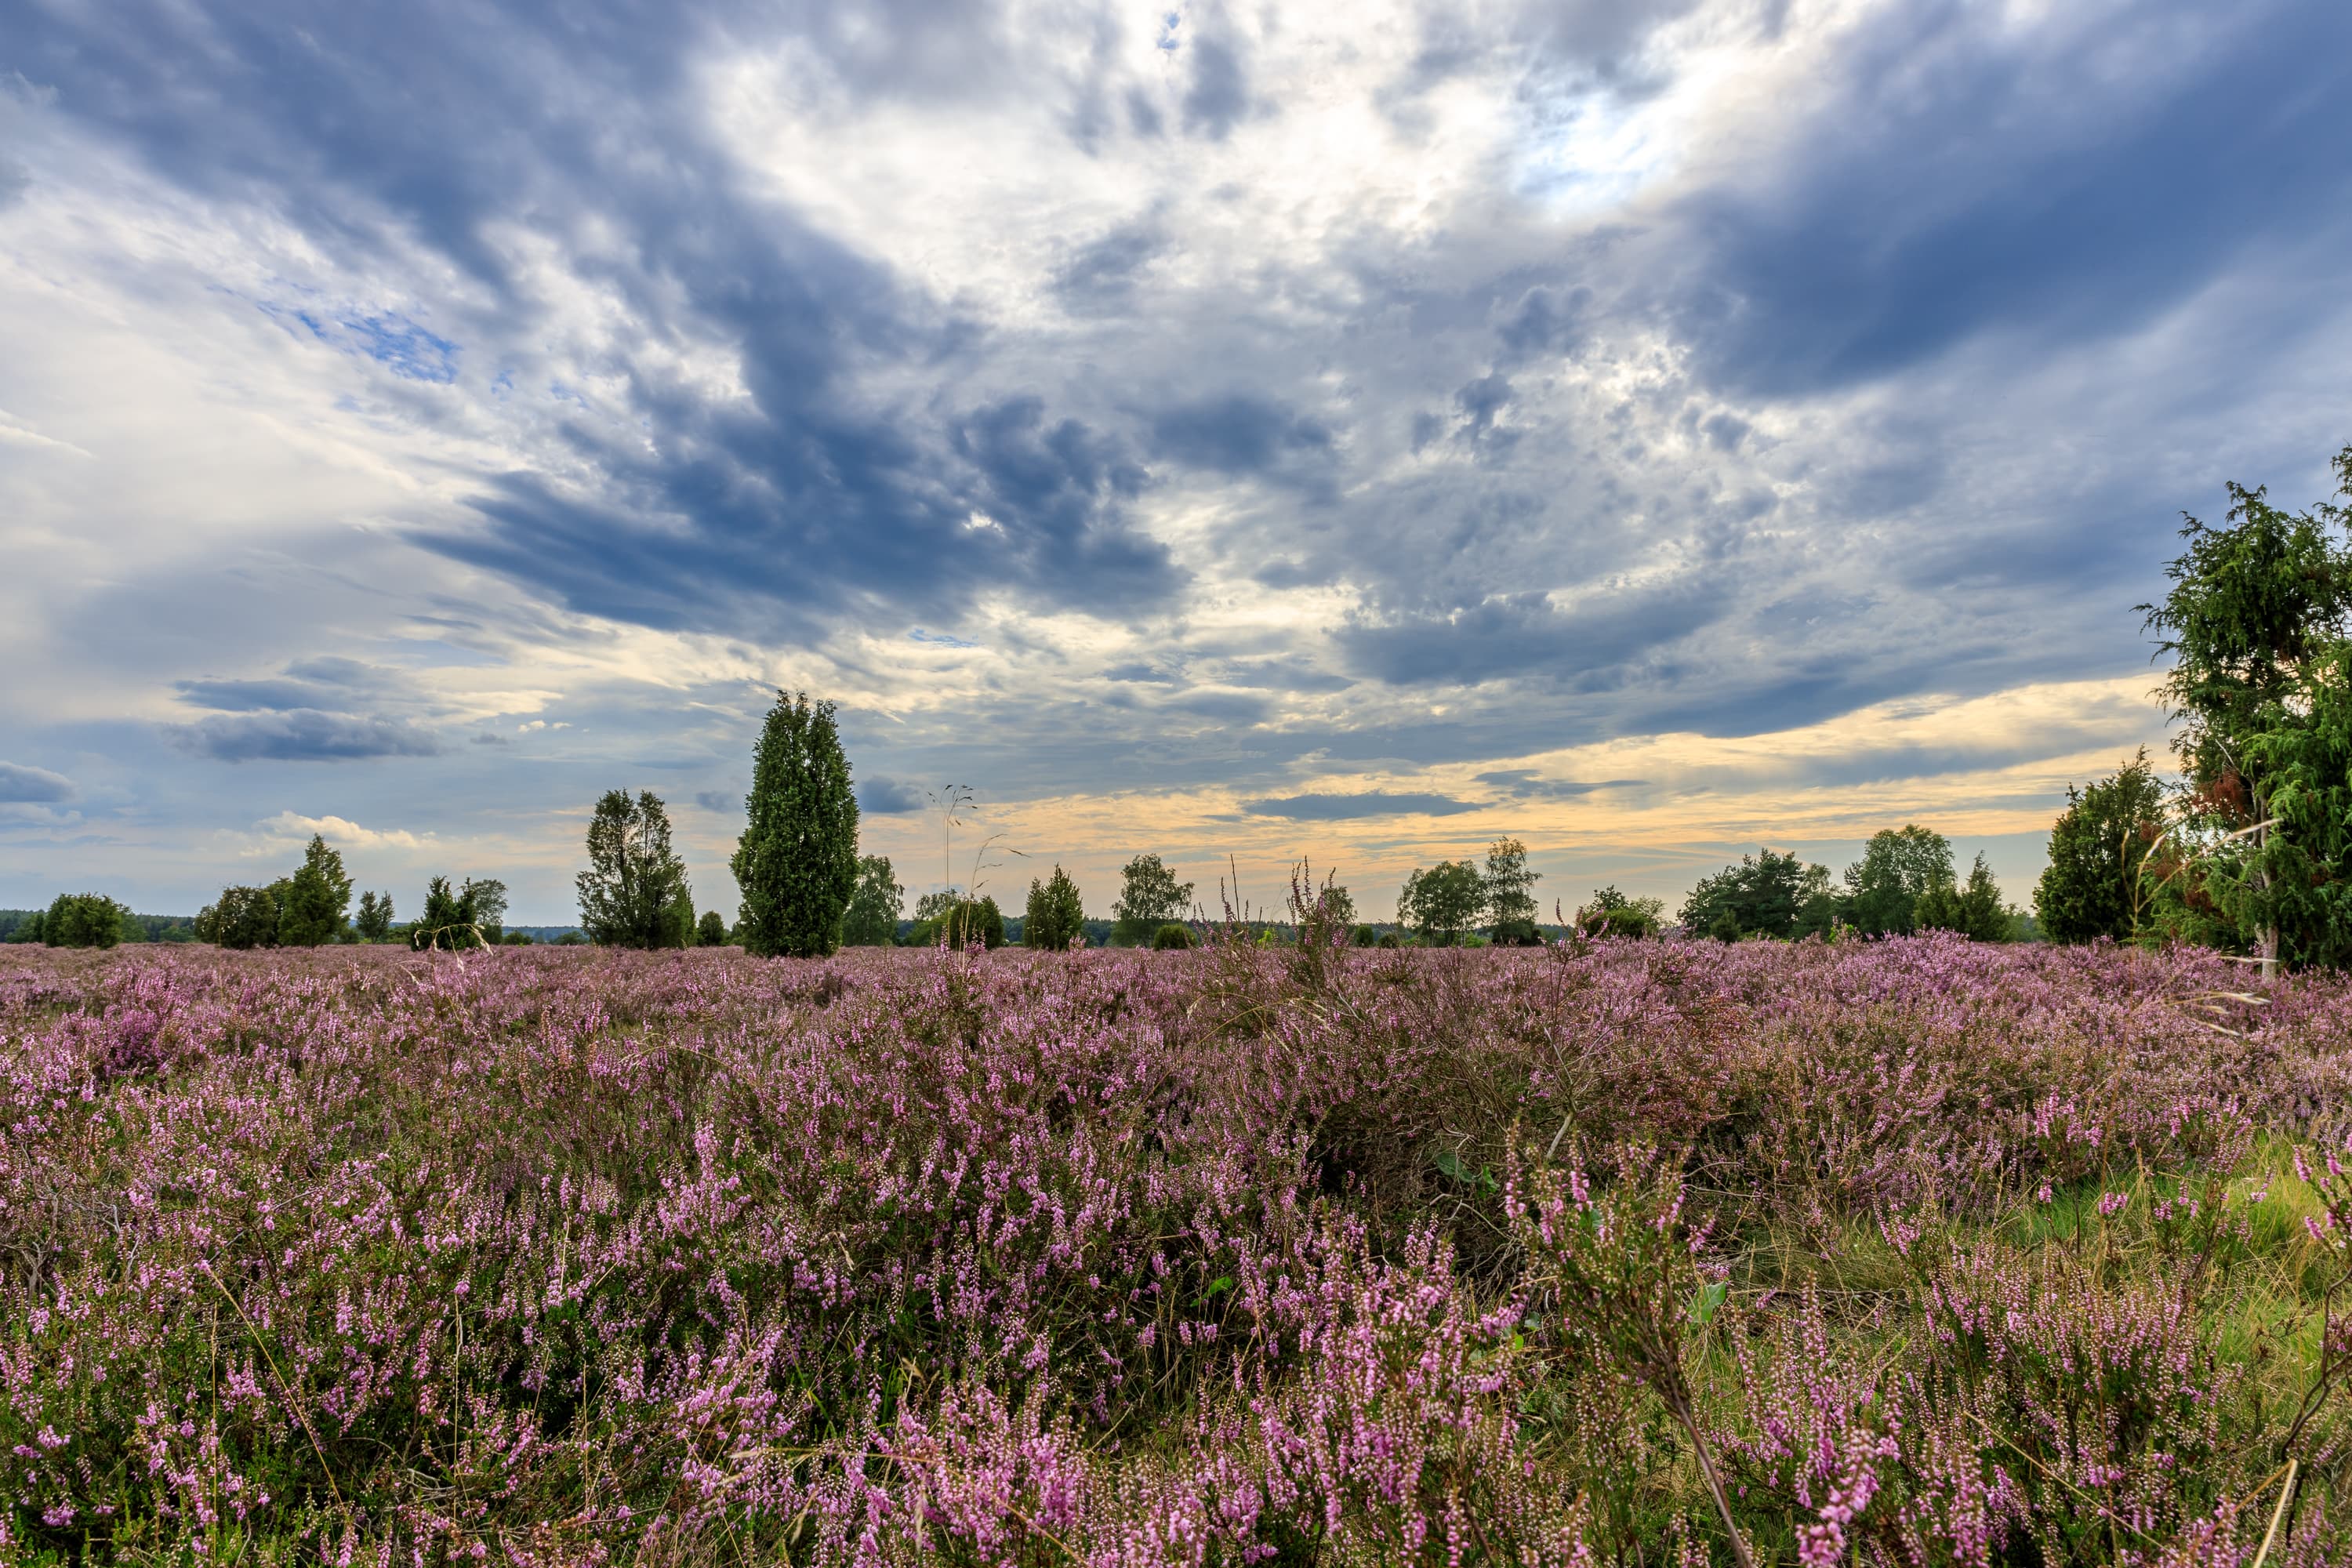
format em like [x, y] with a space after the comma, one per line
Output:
[797, 861]
[373, 921]
[2092, 886]
[316, 895]
[1056, 916]
[2256, 608]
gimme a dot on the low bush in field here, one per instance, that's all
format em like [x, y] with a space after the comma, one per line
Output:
[1913, 1252]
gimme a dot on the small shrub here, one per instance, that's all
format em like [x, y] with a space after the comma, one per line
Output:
[1365, 936]
[1171, 938]
[1517, 934]
[1391, 939]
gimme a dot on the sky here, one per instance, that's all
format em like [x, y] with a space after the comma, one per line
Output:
[1650, 430]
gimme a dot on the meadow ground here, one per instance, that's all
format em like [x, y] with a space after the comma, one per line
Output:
[1912, 1252]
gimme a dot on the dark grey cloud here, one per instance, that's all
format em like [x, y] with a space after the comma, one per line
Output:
[302, 735]
[1349, 807]
[1147, 674]
[14, 181]
[1243, 434]
[1956, 183]
[1218, 97]
[879, 796]
[23, 785]
[1526, 636]
[720, 801]
[324, 683]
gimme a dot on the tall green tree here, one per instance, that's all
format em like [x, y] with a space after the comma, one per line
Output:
[711, 930]
[240, 918]
[316, 895]
[872, 918]
[2092, 886]
[449, 920]
[1975, 910]
[2295, 880]
[1442, 901]
[1766, 894]
[797, 861]
[1507, 885]
[373, 920]
[83, 919]
[1612, 913]
[1150, 897]
[1897, 866]
[632, 892]
[2256, 606]
[1056, 916]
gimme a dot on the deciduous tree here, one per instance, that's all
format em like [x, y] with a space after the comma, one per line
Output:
[1150, 897]
[634, 890]
[1442, 901]
[872, 918]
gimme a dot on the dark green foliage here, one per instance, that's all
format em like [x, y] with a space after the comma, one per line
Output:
[313, 910]
[1173, 937]
[572, 939]
[1612, 913]
[1056, 918]
[1338, 905]
[872, 919]
[634, 893]
[797, 861]
[241, 917]
[1442, 901]
[1507, 884]
[1765, 895]
[1516, 933]
[2296, 878]
[373, 921]
[2255, 623]
[1364, 936]
[517, 939]
[1897, 866]
[981, 922]
[2253, 604]
[448, 921]
[22, 925]
[712, 930]
[2092, 886]
[1150, 897]
[1975, 910]
[83, 919]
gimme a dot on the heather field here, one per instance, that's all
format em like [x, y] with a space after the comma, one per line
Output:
[1903, 1252]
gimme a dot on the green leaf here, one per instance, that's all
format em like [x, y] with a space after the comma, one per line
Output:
[1707, 1299]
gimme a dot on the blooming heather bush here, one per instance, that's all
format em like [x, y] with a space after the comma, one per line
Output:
[1920, 1252]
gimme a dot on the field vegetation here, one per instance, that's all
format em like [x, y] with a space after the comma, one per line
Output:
[1644, 1251]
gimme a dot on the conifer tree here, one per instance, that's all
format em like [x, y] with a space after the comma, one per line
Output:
[1056, 916]
[312, 911]
[797, 861]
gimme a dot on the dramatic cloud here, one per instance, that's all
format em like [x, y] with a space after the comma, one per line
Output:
[1208, 430]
